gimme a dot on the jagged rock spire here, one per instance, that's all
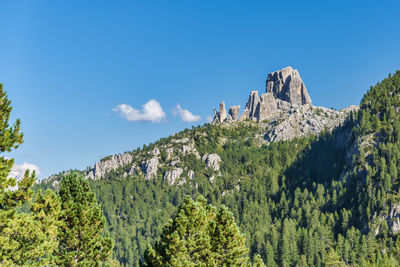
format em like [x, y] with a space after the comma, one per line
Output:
[222, 112]
[221, 116]
[287, 85]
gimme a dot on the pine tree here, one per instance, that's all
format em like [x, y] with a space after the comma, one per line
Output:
[81, 240]
[227, 242]
[10, 138]
[199, 235]
[258, 262]
[25, 239]
[269, 253]
[333, 259]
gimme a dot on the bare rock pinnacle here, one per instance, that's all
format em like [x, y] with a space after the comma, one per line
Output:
[287, 85]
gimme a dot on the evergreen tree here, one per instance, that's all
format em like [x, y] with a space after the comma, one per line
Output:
[258, 262]
[25, 239]
[333, 259]
[81, 240]
[199, 235]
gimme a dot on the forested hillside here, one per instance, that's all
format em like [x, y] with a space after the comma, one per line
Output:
[322, 200]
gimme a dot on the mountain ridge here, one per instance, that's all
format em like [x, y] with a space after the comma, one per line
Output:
[291, 115]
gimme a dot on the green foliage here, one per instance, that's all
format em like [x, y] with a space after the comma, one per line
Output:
[25, 238]
[81, 225]
[199, 235]
[379, 142]
[59, 229]
[333, 259]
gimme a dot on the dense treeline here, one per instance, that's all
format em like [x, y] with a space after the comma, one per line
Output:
[376, 166]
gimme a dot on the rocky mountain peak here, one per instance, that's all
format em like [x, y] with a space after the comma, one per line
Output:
[287, 85]
[284, 90]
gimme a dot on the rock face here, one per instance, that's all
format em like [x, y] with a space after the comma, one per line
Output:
[394, 219]
[172, 175]
[191, 174]
[287, 85]
[108, 164]
[132, 171]
[148, 162]
[251, 106]
[212, 161]
[284, 90]
[302, 121]
[222, 111]
[149, 168]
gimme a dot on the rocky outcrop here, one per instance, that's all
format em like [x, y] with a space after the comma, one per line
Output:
[149, 167]
[189, 149]
[181, 141]
[132, 171]
[263, 107]
[172, 175]
[174, 161]
[191, 174]
[211, 178]
[222, 111]
[169, 151]
[302, 121]
[394, 219]
[212, 161]
[108, 164]
[234, 112]
[145, 162]
[220, 116]
[287, 85]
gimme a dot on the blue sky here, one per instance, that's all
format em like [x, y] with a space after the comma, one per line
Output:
[68, 66]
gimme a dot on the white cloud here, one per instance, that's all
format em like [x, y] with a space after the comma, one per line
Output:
[209, 119]
[18, 170]
[151, 111]
[185, 114]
